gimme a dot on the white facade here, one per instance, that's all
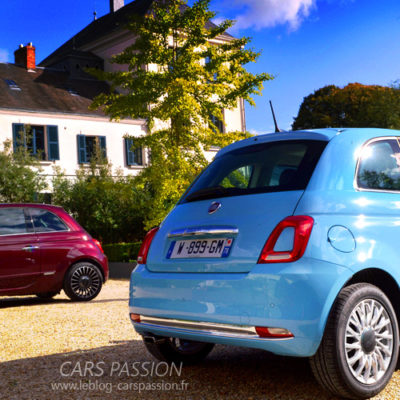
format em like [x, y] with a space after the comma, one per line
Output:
[69, 127]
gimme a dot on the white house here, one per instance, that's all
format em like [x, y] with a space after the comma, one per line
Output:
[53, 98]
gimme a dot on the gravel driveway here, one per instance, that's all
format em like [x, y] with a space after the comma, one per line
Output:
[63, 350]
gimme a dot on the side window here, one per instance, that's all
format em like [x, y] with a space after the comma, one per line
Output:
[46, 221]
[12, 221]
[379, 165]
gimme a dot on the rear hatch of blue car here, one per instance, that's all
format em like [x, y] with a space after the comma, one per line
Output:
[224, 220]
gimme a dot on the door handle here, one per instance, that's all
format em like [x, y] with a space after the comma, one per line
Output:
[30, 248]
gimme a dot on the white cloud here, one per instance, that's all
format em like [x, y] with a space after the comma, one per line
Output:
[257, 132]
[260, 14]
[3, 55]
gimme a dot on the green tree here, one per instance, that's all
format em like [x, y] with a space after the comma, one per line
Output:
[20, 178]
[179, 75]
[355, 105]
[108, 206]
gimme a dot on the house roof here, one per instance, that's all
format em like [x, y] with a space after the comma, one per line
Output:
[47, 90]
[102, 27]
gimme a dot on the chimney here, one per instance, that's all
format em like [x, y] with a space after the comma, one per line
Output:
[25, 56]
[116, 5]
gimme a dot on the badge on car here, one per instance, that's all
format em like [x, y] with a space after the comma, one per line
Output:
[215, 206]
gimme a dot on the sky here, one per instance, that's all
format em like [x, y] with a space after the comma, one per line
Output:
[304, 44]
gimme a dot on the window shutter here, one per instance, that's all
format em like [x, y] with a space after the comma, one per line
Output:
[81, 149]
[130, 157]
[52, 143]
[103, 145]
[17, 139]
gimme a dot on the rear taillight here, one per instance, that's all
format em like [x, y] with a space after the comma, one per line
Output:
[144, 248]
[302, 225]
[98, 244]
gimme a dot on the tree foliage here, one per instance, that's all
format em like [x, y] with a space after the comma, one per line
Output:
[178, 75]
[20, 179]
[355, 105]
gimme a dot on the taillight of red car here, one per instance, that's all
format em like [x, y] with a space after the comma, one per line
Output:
[145, 247]
[302, 225]
[98, 244]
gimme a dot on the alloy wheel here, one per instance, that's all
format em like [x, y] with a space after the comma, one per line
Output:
[369, 341]
[85, 281]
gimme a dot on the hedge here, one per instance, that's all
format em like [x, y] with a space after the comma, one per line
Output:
[122, 252]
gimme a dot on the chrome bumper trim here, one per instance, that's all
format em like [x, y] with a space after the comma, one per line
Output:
[203, 231]
[237, 331]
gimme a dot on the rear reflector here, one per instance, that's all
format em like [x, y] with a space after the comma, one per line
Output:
[145, 247]
[302, 225]
[135, 317]
[276, 333]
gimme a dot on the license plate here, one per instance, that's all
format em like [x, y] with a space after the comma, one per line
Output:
[200, 248]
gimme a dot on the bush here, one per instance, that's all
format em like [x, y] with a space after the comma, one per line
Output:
[20, 179]
[122, 252]
[108, 206]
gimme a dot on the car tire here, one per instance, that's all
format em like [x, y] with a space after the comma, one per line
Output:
[46, 295]
[83, 281]
[174, 350]
[359, 350]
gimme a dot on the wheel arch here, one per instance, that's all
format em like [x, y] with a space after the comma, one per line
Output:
[384, 281]
[375, 276]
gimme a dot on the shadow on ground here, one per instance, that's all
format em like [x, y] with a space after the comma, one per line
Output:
[227, 373]
[8, 302]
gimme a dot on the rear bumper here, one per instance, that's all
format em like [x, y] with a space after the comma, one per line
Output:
[106, 269]
[295, 296]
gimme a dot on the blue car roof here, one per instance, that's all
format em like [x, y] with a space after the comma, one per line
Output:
[324, 134]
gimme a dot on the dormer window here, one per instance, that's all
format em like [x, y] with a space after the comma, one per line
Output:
[72, 92]
[12, 85]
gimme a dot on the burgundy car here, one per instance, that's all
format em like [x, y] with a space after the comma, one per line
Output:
[43, 250]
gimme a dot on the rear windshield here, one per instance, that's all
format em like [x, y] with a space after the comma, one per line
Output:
[267, 167]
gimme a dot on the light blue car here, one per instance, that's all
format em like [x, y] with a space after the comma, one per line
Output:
[286, 242]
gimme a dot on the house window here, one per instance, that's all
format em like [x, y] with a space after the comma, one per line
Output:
[217, 123]
[40, 140]
[215, 75]
[134, 156]
[88, 145]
